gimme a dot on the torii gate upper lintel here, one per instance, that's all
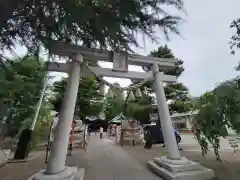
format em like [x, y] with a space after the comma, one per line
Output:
[93, 54]
[70, 50]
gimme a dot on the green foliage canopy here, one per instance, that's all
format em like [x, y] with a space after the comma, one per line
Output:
[140, 108]
[176, 93]
[114, 105]
[21, 81]
[218, 110]
[235, 39]
[89, 100]
[109, 23]
[112, 108]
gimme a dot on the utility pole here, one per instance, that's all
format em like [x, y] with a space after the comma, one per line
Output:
[32, 127]
[23, 146]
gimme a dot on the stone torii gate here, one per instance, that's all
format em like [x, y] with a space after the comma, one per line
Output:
[173, 166]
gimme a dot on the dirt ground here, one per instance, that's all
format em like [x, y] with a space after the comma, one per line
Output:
[228, 169]
[24, 170]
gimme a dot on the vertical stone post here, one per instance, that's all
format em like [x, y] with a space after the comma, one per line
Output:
[165, 119]
[57, 158]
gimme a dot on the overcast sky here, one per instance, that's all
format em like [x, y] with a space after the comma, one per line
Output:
[204, 47]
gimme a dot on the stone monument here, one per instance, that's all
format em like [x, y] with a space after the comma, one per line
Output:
[130, 133]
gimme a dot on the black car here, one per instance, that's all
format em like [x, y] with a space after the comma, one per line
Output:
[157, 135]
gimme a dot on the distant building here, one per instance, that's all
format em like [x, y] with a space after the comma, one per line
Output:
[95, 122]
[184, 121]
[181, 121]
[117, 119]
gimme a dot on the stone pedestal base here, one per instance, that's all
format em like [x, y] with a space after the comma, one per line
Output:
[69, 173]
[182, 169]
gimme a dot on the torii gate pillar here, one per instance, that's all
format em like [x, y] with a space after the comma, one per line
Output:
[56, 168]
[173, 166]
[166, 123]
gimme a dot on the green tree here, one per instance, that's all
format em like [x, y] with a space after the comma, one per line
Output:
[114, 102]
[42, 126]
[112, 108]
[140, 108]
[218, 110]
[166, 52]
[176, 93]
[108, 23]
[21, 83]
[89, 100]
[235, 39]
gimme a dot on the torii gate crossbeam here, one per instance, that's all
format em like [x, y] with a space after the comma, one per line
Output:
[85, 72]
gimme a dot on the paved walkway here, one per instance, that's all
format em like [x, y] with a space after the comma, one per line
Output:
[103, 160]
[107, 161]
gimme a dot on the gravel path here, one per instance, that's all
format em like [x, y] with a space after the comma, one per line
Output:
[24, 170]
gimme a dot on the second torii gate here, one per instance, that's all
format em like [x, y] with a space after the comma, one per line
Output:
[173, 166]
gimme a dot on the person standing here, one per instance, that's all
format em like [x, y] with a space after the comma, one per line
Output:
[88, 130]
[101, 132]
[148, 138]
[70, 145]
